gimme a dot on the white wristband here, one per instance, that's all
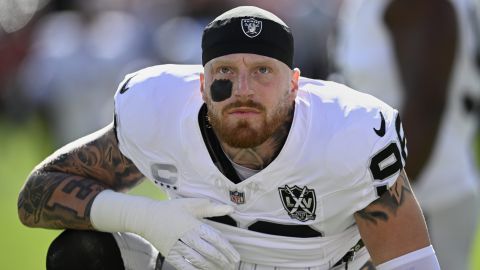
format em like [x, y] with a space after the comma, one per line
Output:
[162, 223]
[421, 259]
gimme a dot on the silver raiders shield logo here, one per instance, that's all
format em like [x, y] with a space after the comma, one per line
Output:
[300, 203]
[251, 27]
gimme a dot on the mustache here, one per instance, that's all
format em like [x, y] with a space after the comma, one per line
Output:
[245, 104]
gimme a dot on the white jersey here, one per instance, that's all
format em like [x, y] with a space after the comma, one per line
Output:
[366, 58]
[343, 148]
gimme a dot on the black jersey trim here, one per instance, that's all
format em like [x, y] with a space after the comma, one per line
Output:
[299, 231]
[115, 126]
[227, 220]
[214, 149]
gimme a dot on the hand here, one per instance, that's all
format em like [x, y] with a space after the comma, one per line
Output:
[168, 225]
[203, 248]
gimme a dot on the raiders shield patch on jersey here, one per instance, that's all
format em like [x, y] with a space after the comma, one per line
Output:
[300, 203]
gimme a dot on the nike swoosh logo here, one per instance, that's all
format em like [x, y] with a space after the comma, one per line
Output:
[381, 131]
[124, 86]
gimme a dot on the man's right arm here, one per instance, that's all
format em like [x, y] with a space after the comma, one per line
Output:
[59, 192]
[73, 189]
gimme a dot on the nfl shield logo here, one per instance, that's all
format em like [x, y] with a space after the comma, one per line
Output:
[300, 203]
[251, 27]
[237, 197]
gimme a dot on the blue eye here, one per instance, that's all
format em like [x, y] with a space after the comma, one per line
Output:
[224, 70]
[263, 70]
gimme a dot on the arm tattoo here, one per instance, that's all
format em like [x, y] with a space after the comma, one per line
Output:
[59, 193]
[389, 202]
[58, 200]
[101, 160]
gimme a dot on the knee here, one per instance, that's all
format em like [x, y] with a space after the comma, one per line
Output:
[87, 250]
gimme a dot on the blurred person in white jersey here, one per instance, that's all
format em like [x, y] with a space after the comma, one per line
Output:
[264, 169]
[420, 57]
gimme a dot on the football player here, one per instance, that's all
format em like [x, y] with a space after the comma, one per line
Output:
[264, 169]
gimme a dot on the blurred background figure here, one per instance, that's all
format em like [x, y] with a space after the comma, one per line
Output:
[77, 57]
[178, 39]
[16, 27]
[420, 56]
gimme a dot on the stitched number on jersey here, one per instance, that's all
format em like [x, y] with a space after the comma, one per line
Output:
[401, 138]
[386, 162]
[390, 159]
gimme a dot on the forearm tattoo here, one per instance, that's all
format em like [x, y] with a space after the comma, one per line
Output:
[58, 200]
[387, 205]
[59, 193]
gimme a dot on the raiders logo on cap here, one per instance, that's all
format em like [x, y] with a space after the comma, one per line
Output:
[251, 27]
[239, 30]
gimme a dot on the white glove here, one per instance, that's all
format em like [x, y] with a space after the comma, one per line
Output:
[163, 223]
[203, 248]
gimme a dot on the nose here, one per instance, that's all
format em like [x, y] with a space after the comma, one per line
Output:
[243, 88]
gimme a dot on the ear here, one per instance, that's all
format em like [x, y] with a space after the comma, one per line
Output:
[202, 85]
[294, 82]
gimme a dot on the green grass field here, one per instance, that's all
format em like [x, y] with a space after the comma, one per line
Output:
[21, 147]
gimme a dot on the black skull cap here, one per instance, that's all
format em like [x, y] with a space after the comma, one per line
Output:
[248, 29]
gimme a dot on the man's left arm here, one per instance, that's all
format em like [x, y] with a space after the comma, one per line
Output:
[394, 231]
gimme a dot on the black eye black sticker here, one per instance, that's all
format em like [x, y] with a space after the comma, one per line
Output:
[221, 90]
